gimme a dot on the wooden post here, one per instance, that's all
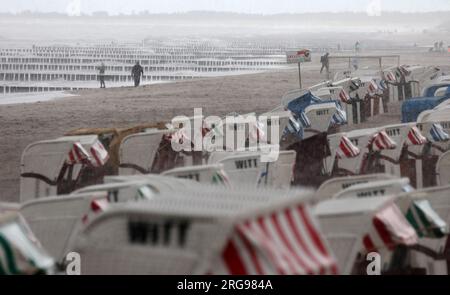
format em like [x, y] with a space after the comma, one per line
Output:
[300, 75]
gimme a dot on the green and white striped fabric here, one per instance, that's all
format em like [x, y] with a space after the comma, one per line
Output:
[426, 222]
[220, 177]
[145, 193]
[20, 253]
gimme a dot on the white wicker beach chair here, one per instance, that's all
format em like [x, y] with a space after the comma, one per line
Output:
[178, 234]
[352, 226]
[137, 151]
[329, 188]
[54, 220]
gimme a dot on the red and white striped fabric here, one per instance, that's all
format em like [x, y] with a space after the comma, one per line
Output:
[347, 149]
[390, 228]
[97, 206]
[391, 77]
[99, 154]
[415, 137]
[382, 141]
[405, 71]
[344, 97]
[78, 155]
[257, 132]
[179, 136]
[285, 242]
[373, 86]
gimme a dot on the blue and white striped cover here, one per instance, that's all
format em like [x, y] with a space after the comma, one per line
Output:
[297, 125]
[438, 133]
[340, 117]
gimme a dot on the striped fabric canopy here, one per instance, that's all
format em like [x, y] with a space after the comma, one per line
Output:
[381, 141]
[221, 177]
[286, 242]
[257, 132]
[373, 86]
[347, 149]
[390, 228]
[344, 97]
[297, 124]
[438, 133]
[425, 220]
[404, 71]
[340, 117]
[398, 74]
[78, 155]
[101, 205]
[382, 85]
[97, 155]
[391, 77]
[179, 136]
[415, 137]
[20, 254]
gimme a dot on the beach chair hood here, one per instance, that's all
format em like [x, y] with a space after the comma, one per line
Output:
[286, 242]
[425, 220]
[412, 108]
[138, 151]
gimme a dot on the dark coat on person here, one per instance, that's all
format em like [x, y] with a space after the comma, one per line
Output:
[137, 71]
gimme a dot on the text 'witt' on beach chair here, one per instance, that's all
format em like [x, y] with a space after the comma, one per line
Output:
[204, 174]
[246, 168]
[178, 234]
[329, 188]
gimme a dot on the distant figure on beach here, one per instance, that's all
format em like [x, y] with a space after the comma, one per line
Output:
[441, 46]
[355, 63]
[136, 73]
[357, 47]
[101, 75]
[436, 46]
[325, 62]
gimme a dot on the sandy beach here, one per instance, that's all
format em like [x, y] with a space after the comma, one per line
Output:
[23, 124]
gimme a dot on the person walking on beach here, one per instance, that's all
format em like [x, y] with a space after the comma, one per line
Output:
[325, 62]
[357, 47]
[136, 73]
[101, 75]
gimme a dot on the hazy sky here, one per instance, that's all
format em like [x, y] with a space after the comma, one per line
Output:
[245, 6]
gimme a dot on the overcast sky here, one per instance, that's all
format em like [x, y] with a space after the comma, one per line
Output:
[244, 6]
